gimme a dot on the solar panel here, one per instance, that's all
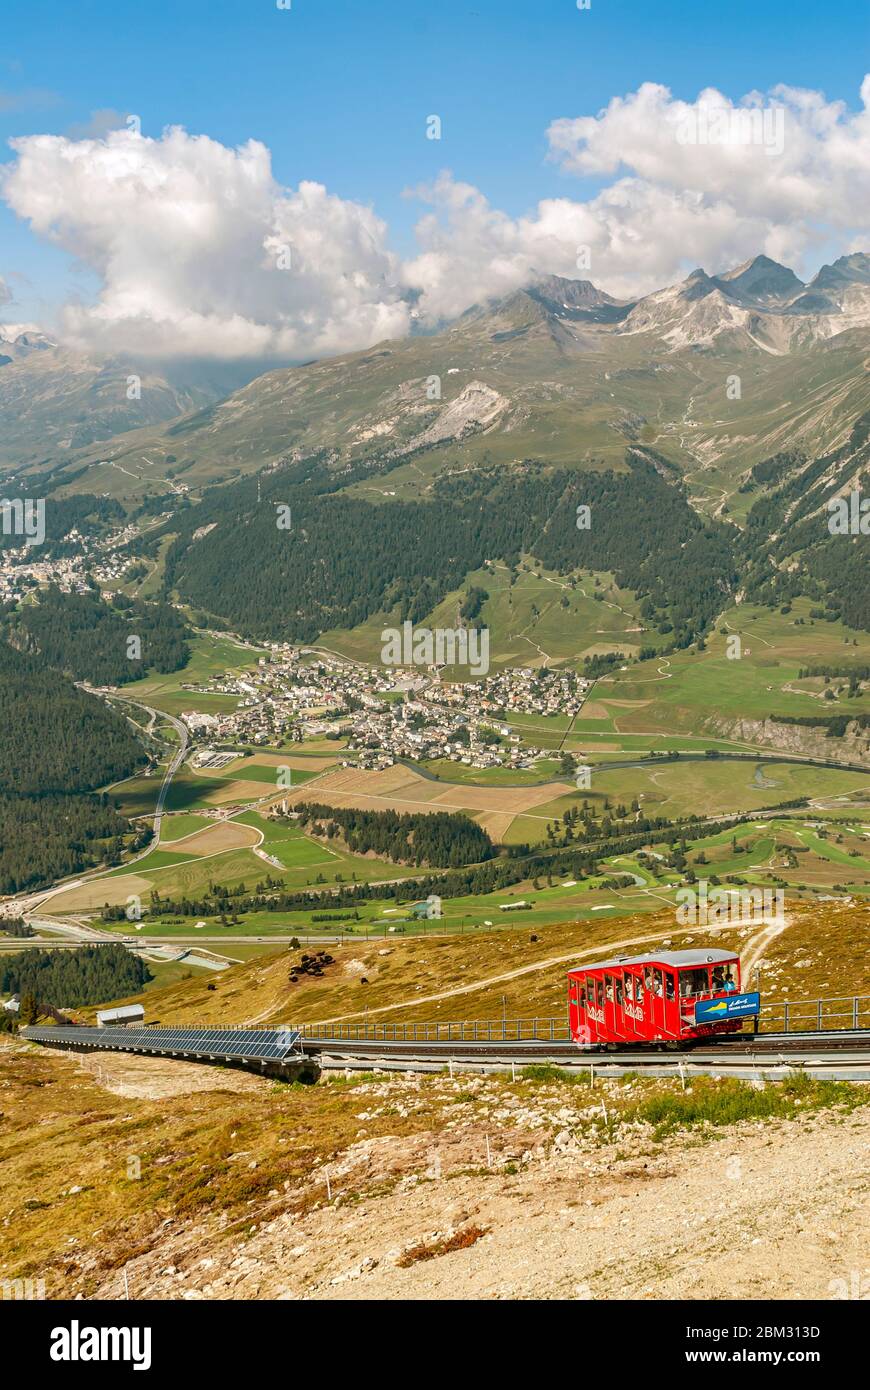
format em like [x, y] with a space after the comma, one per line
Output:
[265, 1044]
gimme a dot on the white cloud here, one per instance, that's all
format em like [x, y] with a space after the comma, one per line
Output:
[188, 237]
[5, 292]
[785, 175]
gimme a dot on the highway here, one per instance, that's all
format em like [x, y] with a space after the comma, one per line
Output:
[178, 758]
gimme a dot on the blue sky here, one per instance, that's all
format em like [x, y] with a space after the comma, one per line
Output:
[339, 90]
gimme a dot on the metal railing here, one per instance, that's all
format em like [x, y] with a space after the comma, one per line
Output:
[780, 1016]
[815, 1015]
[785, 1016]
[475, 1030]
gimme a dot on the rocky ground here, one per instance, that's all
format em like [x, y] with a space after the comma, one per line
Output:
[519, 1194]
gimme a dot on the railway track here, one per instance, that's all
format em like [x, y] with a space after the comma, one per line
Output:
[843, 1055]
[831, 1055]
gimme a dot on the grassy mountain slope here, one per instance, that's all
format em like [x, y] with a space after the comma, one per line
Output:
[557, 371]
[56, 403]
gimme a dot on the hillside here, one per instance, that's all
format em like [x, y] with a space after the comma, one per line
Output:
[56, 401]
[821, 952]
[401, 556]
[174, 1181]
[736, 410]
[205, 1183]
[559, 371]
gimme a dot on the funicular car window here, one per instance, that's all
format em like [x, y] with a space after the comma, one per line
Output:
[669, 984]
[608, 988]
[694, 982]
[599, 989]
[618, 983]
[581, 995]
[657, 982]
[722, 980]
[628, 985]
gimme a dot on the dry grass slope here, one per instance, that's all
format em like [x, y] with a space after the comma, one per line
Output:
[822, 952]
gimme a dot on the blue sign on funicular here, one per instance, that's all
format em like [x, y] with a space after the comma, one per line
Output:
[732, 1006]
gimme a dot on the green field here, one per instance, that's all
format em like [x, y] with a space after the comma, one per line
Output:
[209, 656]
[544, 771]
[175, 827]
[157, 859]
[267, 773]
[137, 796]
[691, 692]
[188, 790]
[841, 857]
[527, 621]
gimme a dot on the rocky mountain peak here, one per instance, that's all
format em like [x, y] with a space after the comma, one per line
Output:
[762, 280]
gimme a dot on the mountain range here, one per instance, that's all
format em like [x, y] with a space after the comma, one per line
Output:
[706, 377]
[56, 401]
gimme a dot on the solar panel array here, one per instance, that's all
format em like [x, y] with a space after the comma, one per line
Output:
[265, 1044]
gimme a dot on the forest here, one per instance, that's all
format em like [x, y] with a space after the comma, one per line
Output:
[83, 513]
[345, 559]
[791, 519]
[69, 979]
[44, 838]
[90, 639]
[438, 840]
[59, 743]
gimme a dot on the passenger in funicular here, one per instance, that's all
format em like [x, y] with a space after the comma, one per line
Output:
[694, 983]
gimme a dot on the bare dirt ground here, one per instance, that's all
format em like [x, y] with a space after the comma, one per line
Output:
[762, 1210]
[148, 1078]
[215, 839]
[401, 789]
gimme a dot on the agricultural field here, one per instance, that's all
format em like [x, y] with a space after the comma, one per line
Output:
[719, 787]
[176, 827]
[401, 788]
[137, 795]
[518, 814]
[591, 745]
[229, 851]
[693, 692]
[545, 770]
[827, 857]
[274, 769]
[211, 655]
[256, 778]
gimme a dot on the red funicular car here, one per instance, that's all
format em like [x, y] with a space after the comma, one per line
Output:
[671, 996]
